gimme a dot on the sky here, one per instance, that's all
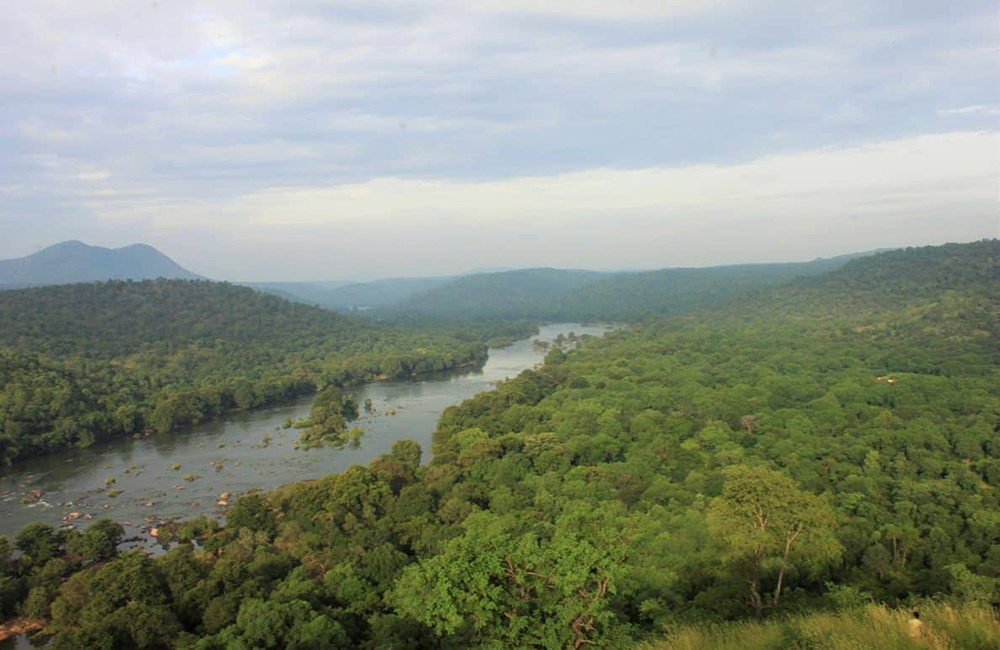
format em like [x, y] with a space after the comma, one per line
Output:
[311, 139]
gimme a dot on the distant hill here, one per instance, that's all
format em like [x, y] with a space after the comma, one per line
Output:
[73, 261]
[922, 271]
[630, 296]
[117, 318]
[311, 293]
[378, 293]
[525, 293]
[556, 294]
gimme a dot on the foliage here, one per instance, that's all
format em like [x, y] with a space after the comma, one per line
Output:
[605, 498]
[328, 417]
[85, 362]
[502, 585]
[38, 542]
[99, 541]
[763, 518]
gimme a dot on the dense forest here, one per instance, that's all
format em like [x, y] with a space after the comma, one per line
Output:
[83, 362]
[819, 450]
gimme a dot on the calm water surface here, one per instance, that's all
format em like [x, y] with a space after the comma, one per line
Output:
[230, 455]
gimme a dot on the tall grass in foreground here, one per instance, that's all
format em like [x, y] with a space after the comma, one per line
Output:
[966, 627]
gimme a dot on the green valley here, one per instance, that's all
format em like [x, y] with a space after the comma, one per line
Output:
[791, 468]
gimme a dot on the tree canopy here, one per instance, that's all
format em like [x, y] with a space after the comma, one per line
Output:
[85, 362]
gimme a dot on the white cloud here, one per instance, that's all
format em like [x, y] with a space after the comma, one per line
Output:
[817, 202]
[291, 122]
[975, 109]
[901, 175]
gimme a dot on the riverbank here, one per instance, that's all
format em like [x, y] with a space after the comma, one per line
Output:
[142, 482]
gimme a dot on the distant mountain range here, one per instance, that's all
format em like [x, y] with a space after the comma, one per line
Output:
[524, 293]
[308, 292]
[73, 261]
[570, 295]
[377, 293]
[547, 293]
[352, 296]
[540, 293]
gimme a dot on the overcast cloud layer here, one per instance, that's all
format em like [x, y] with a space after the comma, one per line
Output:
[302, 139]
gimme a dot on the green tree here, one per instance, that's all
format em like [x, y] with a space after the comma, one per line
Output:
[763, 521]
[252, 511]
[100, 541]
[502, 586]
[38, 541]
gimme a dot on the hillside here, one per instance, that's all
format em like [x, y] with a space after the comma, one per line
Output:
[309, 293]
[74, 261]
[375, 294]
[929, 271]
[526, 293]
[553, 294]
[796, 453]
[83, 362]
[631, 296]
[112, 319]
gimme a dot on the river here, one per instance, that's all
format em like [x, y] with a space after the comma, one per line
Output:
[183, 474]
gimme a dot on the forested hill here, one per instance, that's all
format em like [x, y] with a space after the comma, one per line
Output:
[933, 310]
[377, 293]
[812, 449]
[111, 319]
[526, 293]
[305, 292]
[902, 275]
[85, 362]
[552, 294]
[74, 261]
[631, 296]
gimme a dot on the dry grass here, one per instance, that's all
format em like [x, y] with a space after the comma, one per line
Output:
[874, 627]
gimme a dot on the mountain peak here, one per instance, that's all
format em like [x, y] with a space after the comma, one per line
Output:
[68, 244]
[74, 261]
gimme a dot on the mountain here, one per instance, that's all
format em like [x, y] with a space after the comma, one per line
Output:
[73, 261]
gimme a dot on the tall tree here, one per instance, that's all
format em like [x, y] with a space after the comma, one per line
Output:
[764, 521]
